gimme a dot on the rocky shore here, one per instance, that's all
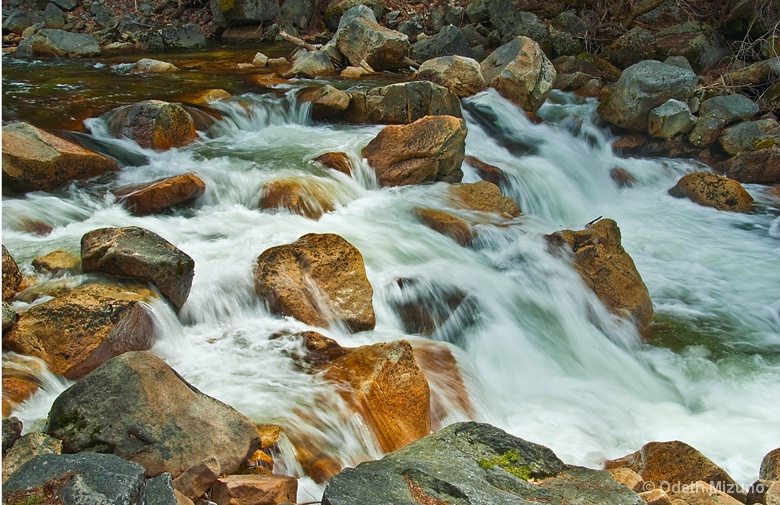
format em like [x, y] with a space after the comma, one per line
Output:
[672, 80]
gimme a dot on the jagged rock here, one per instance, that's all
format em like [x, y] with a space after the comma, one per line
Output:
[54, 42]
[459, 74]
[301, 196]
[448, 42]
[698, 42]
[12, 431]
[84, 327]
[310, 64]
[12, 277]
[165, 426]
[630, 48]
[255, 489]
[402, 103]
[206, 96]
[34, 160]
[643, 87]
[150, 66]
[669, 119]
[162, 194]
[712, 190]
[360, 38]
[762, 166]
[327, 102]
[430, 149]
[484, 196]
[675, 464]
[745, 136]
[473, 463]
[284, 274]
[718, 112]
[520, 72]
[608, 270]
[153, 124]
[446, 224]
[26, 448]
[57, 262]
[142, 255]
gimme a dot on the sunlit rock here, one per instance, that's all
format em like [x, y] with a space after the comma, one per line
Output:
[459, 74]
[56, 262]
[255, 489]
[712, 190]
[703, 493]
[16, 390]
[628, 478]
[360, 38]
[337, 161]
[327, 102]
[770, 466]
[150, 66]
[153, 124]
[484, 196]
[447, 224]
[54, 42]
[34, 160]
[198, 478]
[320, 279]
[402, 103]
[206, 96]
[298, 196]
[486, 171]
[162, 194]
[12, 277]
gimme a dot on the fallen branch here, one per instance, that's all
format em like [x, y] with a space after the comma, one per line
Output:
[297, 41]
[411, 62]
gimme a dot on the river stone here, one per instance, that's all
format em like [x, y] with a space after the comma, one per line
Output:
[762, 166]
[302, 197]
[166, 423]
[676, 464]
[162, 194]
[402, 103]
[34, 160]
[173, 38]
[360, 38]
[520, 72]
[448, 42]
[484, 196]
[337, 160]
[326, 101]
[206, 97]
[430, 149]
[12, 277]
[608, 270]
[459, 74]
[80, 329]
[142, 255]
[669, 119]
[150, 66]
[56, 262]
[310, 64]
[643, 87]
[473, 463]
[320, 279]
[745, 136]
[153, 124]
[26, 448]
[718, 112]
[55, 42]
[698, 42]
[712, 190]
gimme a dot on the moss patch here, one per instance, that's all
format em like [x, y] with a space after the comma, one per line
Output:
[508, 461]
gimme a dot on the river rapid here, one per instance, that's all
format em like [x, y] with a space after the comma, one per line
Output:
[540, 356]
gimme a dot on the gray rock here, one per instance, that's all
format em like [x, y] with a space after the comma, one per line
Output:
[643, 87]
[18, 21]
[310, 64]
[669, 119]
[172, 38]
[698, 42]
[26, 448]
[105, 16]
[244, 12]
[12, 431]
[296, 14]
[360, 38]
[472, 463]
[53, 16]
[335, 10]
[139, 254]
[51, 42]
[741, 137]
[402, 103]
[66, 5]
[448, 42]
[679, 61]
[477, 11]
[9, 317]
[718, 112]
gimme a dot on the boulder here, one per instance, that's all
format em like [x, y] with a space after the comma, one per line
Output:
[56, 262]
[608, 270]
[161, 195]
[153, 124]
[459, 74]
[484, 196]
[166, 424]
[718, 112]
[142, 255]
[326, 102]
[762, 166]
[643, 87]
[360, 38]
[473, 463]
[12, 432]
[310, 64]
[337, 161]
[520, 72]
[402, 103]
[320, 279]
[630, 48]
[446, 224]
[770, 466]
[745, 136]
[669, 119]
[448, 42]
[591, 65]
[26, 448]
[77, 331]
[255, 489]
[243, 12]
[764, 492]
[337, 8]
[713, 190]
[19, 20]
[698, 42]
[34, 160]
[150, 66]
[430, 149]
[54, 42]
[12, 277]
[676, 464]
[300, 196]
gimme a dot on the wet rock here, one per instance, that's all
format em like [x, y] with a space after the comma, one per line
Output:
[80, 329]
[310, 64]
[762, 166]
[448, 42]
[718, 112]
[608, 270]
[698, 42]
[150, 66]
[712, 190]
[669, 119]
[473, 463]
[34, 160]
[301, 197]
[56, 262]
[26, 448]
[589, 64]
[630, 48]
[54, 42]
[430, 149]
[327, 102]
[402, 103]
[446, 224]
[484, 196]
[425, 307]
[360, 38]
[770, 466]
[461, 75]
[12, 431]
[206, 96]
[161, 195]
[745, 136]
[255, 489]
[337, 161]
[676, 464]
[284, 276]
[12, 277]
[165, 426]
[17, 388]
[486, 171]
[153, 124]
[142, 255]
[520, 72]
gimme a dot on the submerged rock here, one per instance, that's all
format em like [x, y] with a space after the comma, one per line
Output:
[712, 190]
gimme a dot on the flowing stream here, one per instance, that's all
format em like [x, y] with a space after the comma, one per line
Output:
[540, 356]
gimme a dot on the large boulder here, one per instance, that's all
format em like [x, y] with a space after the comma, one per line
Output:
[744, 136]
[473, 463]
[255, 489]
[608, 270]
[718, 112]
[459, 74]
[770, 466]
[166, 424]
[142, 255]
[320, 279]
[675, 464]
[762, 166]
[77, 331]
[243, 12]
[162, 194]
[336, 9]
[448, 42]
[698, 42]
[430, 149]
[153, 124]
[402, 103]
[172, 38]
[34, 160]
[520, 72]
[360, 38]
[713, 190]
[12, 277]
[643, 87]
[54, 42]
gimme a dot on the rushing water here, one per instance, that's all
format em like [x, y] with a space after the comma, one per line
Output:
[540, 355]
